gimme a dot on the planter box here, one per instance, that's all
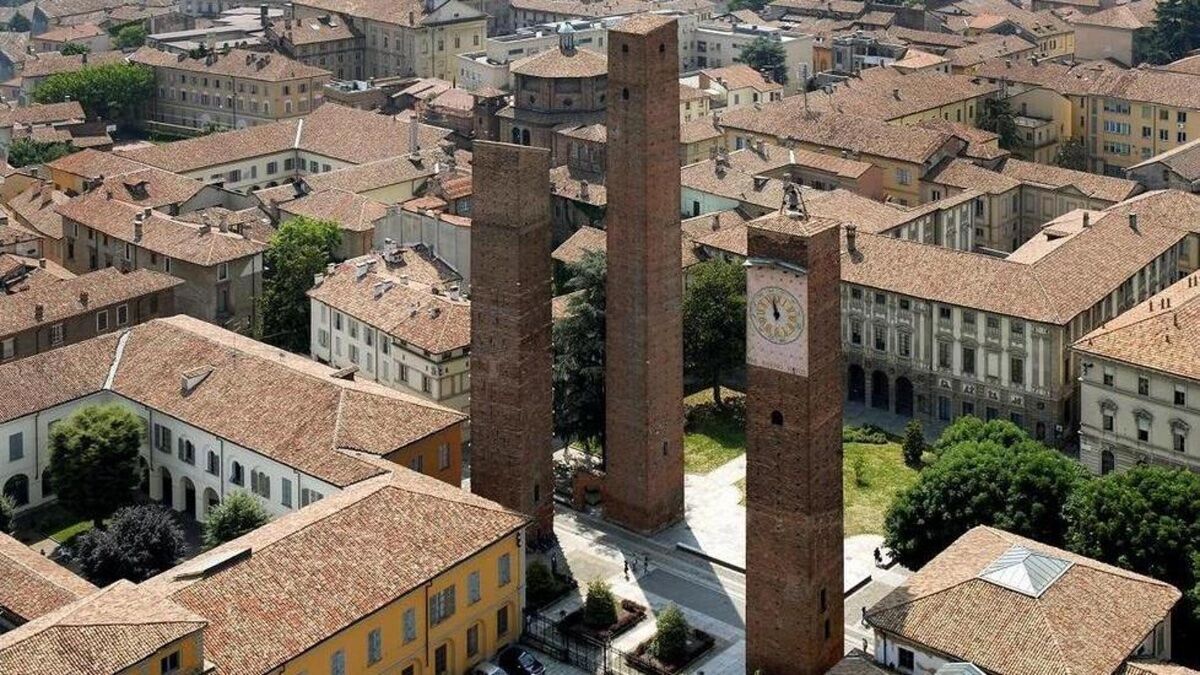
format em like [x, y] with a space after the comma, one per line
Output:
[644, 660]
[629, 614]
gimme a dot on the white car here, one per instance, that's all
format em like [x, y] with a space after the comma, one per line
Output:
[487, 668]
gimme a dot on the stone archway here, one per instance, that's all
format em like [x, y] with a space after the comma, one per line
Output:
[856, 385]
[17, 490]
[211, 501]
[904, 396]
[166, 493]
[880, 395]
[188, 490]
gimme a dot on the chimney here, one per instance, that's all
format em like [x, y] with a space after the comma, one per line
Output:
[583, 190]
[39, 312]
[414, 131]
[896, 94]
[1133, 221]
[760, 182]
[851, 237]
[83, 298]
[138, 224]
[1087, 219]
[262, 15]
[42, 263]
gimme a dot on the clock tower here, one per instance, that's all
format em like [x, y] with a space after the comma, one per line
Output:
[794, 443]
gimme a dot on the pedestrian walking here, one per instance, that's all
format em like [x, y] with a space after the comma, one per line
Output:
[878, 557]
[627, 569]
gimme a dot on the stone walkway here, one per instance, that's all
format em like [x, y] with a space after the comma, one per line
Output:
[714, 518]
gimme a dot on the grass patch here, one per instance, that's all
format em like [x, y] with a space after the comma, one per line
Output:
[871, 477]
[712, 442]
[70, 531]
[50, 522]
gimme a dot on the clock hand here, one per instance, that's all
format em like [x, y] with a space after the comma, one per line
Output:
[775, 308]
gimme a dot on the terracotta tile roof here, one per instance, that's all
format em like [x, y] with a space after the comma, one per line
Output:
[889, 93]
[1184, 160]
[351, 212]
[582, 8]
[50, 63]
[981, 144]
[582, 241]
[31, 584]
[329, 565]
[569, 185]
[741, 76]
[94, 163]
[40, 113]
[1038, 24]
[1157, 668]
[1052, 289]
[787, 119]
[1105, 188]
[346, 134]
[1130, 16]
[1143, 85]
[596, 133]
[689, 93]
[81, 31]
[378, 174]
[849, 7]
[425, 88]
[928, 38]
[406, 13]
[699, 130]
[560, 305]
[314, 29]
[37, 206]
[161, 233]
[269, 67]
[698, 227]
[964, 174]
[916, 59]
[45, 380]
[999, 47]
[454, 99]
[151, 187]
[1162, 333]
[408, 310]
[63, 300]
[1087, 620]
[876, 18]
[858, 662]
[105, 632]
[1188, 64]
[555, 63]
[747, 188]
[642, 24]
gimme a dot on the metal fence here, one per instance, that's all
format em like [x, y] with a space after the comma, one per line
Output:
[601, 658]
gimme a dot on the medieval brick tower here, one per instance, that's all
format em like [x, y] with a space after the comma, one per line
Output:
[644, 346]
[793, 445]
[511, 423]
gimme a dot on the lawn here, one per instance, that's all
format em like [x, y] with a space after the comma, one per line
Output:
[714, 439]
[871, 477]
[51, 522]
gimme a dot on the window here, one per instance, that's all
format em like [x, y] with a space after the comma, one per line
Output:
[1143, 427]
[222, 271]
[374, 647]
[1109, 422]
[337, 663]
[968, 360]
[16, 446]
[502, 622]
[260, 484]
[1107, 462]
[505, 564]
[443, 456]
[880, 299]
[473, 641]
[855, 332]
[417, 464]
[943, 355]
[1143, 386]
[906, 659]
[162, 437]
[122, 315]
[214, 463]
[473, 591]
[187, 451]
[102, 320]
[943, 408]
[410, 625]
[903, 177]
[285, 492]
[1180, 395]
[426, 384]
[1016, 370]
[439, 661]
[904, 344]
[238, 474]
[8, 348]
[944, 313]
[1108, 376]
[441, 606]
[856, 293]
[169, 663]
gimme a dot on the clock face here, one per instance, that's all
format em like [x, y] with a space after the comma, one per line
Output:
[777, 315]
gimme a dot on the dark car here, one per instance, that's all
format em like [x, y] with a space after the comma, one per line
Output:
[517, 661]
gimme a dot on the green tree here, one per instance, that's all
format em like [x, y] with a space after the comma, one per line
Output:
[1072, 154]
[1021, 489]
[540, 584]
[298, 251]
[94, 459]
[112, 91]
[996, 116]
[766, 56]
[6, 513]
[600, 607]
[914, 443]
[240, 513]
[131, 36]
[671, 635]
[714, 322]
[19, 23]
[1175, 33]
[579, 354]
[971, 428]
[141, 541]
[752, 5]
[26, 151]
[72, 48]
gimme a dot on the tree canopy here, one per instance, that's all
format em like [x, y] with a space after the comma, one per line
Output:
[1175, 33]
[714, 322]
[94, 459]
[131, 36]
[19, 23]
[240, 513]
[111, 91]
[996, 116]
[26, 151]
[766, 56]
[1072, 154]
[140, 541]
[1020, 488]
[579, 354]
[72, 48]
[298, 251]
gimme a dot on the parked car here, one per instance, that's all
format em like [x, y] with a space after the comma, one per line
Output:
[517, 661]
[487, 668]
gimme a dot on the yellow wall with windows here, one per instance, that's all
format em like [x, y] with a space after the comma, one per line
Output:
[1060, 44]
[448, 42]
[419, 653]
[963, 112]
[1152, 129]
[191, 658]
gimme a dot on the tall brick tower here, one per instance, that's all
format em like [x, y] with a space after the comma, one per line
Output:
[511, 359]
[643, 377]
[793, 445]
